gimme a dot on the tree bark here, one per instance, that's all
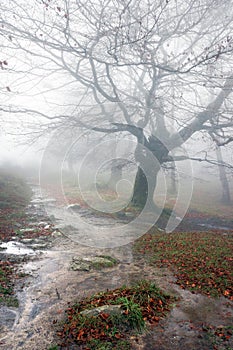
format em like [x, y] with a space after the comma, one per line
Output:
[144, 187]
[173, 187]
[140, 190]
[149, 161]
[226, 197]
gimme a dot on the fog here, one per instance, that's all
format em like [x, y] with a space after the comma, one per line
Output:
[158, 98]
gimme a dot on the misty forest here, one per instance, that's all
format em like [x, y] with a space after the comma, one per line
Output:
[116, 164]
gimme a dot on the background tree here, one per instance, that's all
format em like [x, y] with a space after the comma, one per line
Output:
[138, 67]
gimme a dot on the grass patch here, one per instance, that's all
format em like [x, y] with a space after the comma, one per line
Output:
[140, 304]
[202, 262]
[9, 301]
[6, 284]
[108, 261]
[15, 194]
[219, 337]
[8, 275]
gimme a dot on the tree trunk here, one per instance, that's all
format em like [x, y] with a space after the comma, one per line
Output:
[149, 160]
[144, 188]
[116, 175]
[140, 191]
[173, 187]
[226, 197]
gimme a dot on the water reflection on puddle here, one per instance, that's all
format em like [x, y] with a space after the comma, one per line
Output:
[15, 248]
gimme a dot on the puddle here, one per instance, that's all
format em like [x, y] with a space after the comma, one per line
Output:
[85, 227]
[215, 227]
[15, 248]
[43, 200]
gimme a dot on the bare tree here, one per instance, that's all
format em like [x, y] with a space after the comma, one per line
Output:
[136, 66]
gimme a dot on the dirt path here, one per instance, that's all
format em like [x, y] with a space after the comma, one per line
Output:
[52, 284]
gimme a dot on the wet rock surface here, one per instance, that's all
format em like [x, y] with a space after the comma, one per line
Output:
[91, 262]
[7, 318]
[109, 309]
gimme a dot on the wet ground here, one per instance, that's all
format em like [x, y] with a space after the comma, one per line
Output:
[51, 284]
[194, 221]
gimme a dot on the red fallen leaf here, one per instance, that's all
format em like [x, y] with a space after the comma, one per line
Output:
[104, 316]
[226, 292]
[118, 336]
[80, 334]
[155, 318]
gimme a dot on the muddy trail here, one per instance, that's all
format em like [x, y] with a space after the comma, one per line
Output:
[52, 281]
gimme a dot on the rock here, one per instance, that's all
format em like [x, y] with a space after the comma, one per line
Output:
[107, 309]
[79, 265]
[7, 317]
[39, 246]
[92, 262]
[130, 214]
[56, 233]
[74, 206]
[42, 223]
[27, 240]
[27, 230]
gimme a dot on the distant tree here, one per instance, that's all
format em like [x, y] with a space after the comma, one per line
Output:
[226, 195]
[136, 66]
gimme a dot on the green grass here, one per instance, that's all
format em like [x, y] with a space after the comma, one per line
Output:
[14, 192]
[140, 304]
[14, 196]
[9, 301]
[53, 347]
[108, 262]
[202, 262]
[134, 313]
[6, 285]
